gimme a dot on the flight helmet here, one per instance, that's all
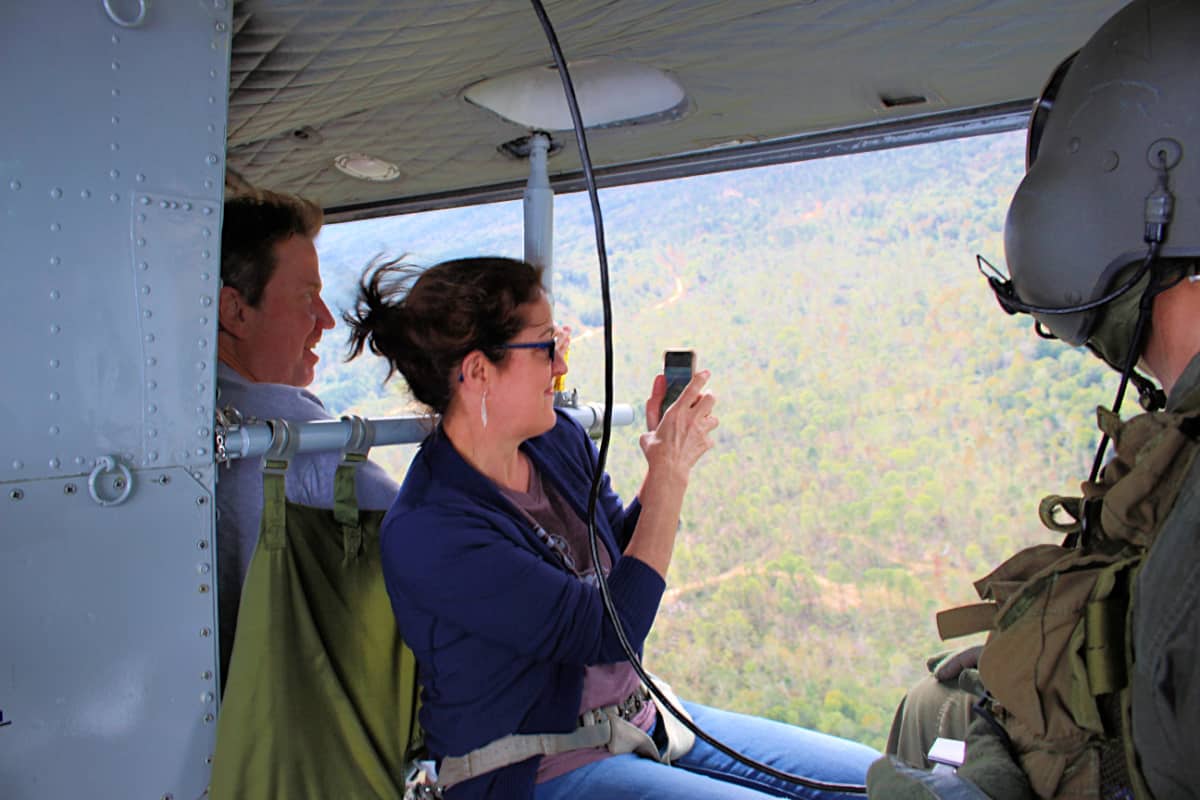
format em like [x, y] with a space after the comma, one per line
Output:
[1112, 164]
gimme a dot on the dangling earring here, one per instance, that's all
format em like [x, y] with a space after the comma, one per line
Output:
[483, 409]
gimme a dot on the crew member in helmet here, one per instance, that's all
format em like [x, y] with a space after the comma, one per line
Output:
[1102, 242]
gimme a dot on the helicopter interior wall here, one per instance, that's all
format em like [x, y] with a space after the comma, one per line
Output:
[113, 157]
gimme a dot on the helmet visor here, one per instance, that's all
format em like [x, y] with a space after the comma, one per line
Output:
[1042, 109]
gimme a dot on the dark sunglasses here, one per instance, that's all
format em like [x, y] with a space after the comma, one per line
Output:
[1042, 109]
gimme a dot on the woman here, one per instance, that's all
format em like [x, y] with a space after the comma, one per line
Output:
[487, 564]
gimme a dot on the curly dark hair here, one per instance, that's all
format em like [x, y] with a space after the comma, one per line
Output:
[425, 321]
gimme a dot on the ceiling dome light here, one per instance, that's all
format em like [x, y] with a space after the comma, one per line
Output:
[611, 93]
[367, 168]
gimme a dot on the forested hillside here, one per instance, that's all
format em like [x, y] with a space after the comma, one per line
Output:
[886, 430]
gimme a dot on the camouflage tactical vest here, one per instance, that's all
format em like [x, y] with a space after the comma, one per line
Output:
[1057, 661]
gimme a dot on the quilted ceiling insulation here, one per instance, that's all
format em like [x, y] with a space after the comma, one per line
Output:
[314, 79]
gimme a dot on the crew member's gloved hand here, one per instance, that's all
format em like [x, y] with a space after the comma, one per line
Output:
[947, 665]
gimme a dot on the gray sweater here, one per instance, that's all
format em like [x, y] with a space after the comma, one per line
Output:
[239, 485]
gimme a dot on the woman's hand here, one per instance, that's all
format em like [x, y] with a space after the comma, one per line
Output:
[678, 438]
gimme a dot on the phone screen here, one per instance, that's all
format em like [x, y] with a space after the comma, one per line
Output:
[677, 369]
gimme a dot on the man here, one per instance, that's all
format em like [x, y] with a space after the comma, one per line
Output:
[271, 318]
[1103, 245]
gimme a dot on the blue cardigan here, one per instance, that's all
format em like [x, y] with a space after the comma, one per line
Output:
[501, 630]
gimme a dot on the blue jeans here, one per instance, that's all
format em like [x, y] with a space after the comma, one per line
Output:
[706, 773]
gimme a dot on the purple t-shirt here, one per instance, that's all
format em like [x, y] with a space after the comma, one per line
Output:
[603, 684]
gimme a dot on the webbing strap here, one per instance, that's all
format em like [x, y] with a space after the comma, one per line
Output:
[285, 441]
[516, 748]
[600, 727]
[345, 498]
[965, 620]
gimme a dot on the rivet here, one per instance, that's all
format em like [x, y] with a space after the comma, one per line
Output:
[114, 147]
[56, 193]
[141, 242]
[163, 480]
[201, 500]
[116, 92]
[204, 320]
[55, 329]
[144, 265]
[116, 120]
[54, 363]
[152, 408]
[206, 300]
[206, 233]
[203, 343]
[114, 174]
[206, 253]
[200, 365]
[201, 388]
[141, 217]
[1110, 161]
[140, 178]
[205, 632]
[70, 488]
[152, 433]
[168, 796]
[203, 569]
[18, 464]
[208, 760]
[153, 456]
[85, 194]
[145, 290]
[200, 451]
[204, 588]
[116, 65]
[202, 432]
[212, 128]
[212, 100]
[14, 185]
[152, 385]
[1073, 144]
[16, 494]
[80, 460]
[208, 184]
[144, 200]
[207, 211]
[149, 338]
[207, 697]
[212, 158]
[114, 197]
[187, 206]
[54, 395]
[116, 39]
[206, 675]
[119, 483]
[54, 294]
[55, 227]
[209, 717]
[54, 464]
[164, 204]
[204, 276]
[54, 430]
[151, 361]
[55, 261]
[147, 314]
[202, 544]
[221, 26]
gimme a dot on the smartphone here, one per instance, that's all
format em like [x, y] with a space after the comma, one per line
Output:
[678, 366]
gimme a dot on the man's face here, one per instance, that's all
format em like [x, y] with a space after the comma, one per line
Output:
[278, 337]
